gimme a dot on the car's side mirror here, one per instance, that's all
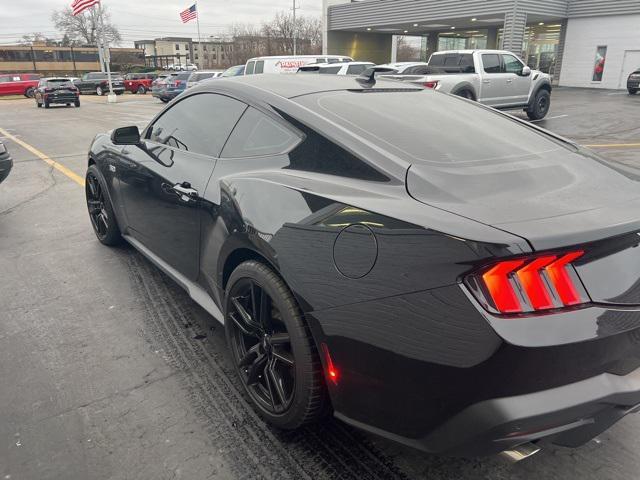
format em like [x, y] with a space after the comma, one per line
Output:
[126, 136]
[526, 71]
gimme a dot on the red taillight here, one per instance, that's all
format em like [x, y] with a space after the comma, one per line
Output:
[178, 83]
[530, 284]
[332, 373]
[432, 84]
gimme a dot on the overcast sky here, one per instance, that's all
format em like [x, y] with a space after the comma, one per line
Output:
[138, 19]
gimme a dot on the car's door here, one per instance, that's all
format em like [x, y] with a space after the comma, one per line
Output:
[517, 83]
[494, 83]
[161, 181]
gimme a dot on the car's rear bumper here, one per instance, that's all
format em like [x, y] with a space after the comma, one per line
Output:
[61, 98]
[569, 415]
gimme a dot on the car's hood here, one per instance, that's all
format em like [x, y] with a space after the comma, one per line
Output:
[552, 199]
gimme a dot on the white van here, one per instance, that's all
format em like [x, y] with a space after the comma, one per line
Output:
[288, 63]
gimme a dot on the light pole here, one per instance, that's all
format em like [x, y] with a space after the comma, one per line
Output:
[295, 29]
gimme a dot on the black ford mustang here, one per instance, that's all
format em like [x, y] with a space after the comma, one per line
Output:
[422, 266]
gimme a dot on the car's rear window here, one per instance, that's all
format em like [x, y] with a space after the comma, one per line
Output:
[429, 127]
[58, 82]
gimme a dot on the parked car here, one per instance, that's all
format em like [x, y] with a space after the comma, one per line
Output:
[97, 82]
[56, 90]
[633, 82]
[180, 67]
[199, 76]
[464, 284]
[405, 68]
[346, 68]
[6, 163]
[288, 63]
[18, 84]
[493, 77]
[235, 71]
[172, 87]
[139, 82]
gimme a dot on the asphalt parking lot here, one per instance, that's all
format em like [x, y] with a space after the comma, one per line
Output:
[108, 370]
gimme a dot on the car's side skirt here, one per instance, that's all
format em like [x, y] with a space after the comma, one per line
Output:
[195, 291]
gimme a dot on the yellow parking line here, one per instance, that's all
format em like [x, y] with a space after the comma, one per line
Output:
[58, 166]
[614, 145]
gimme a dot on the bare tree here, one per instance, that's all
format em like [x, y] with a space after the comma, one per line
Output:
[38, 37]
[85, 27]
[275, 37]
[407, 52]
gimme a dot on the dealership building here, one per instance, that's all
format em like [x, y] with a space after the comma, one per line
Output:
[581, 43]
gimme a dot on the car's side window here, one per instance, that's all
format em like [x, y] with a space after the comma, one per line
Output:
[192, 126]
[356, 69]
[512, 64]
[256, 134]
[330, 70]
[259, 67]
[250, 67]
[491, 63]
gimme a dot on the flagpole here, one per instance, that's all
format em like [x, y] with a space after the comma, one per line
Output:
[106, 54]
[199, 41]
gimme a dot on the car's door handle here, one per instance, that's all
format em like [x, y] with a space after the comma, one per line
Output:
[183, 190]
[486, 81]
[509, 80]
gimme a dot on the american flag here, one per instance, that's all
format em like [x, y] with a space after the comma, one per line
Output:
[189, 14]
[79, 6]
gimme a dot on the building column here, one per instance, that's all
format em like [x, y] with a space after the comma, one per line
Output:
[557, 67]
[492, 38]
[515, 23]
[429, 45]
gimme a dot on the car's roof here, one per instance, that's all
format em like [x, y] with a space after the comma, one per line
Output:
[400, 64]
[291, 85]
[48, 79]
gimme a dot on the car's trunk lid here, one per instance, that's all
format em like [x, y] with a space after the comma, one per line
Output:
[552, 199]
[562, 199]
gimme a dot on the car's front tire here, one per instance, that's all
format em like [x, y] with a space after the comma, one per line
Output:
[46, 103]
[272, 348]
[632, 91]
[99, 91]
[29, 92]
[141, 90]
[100, 209]
[540, 105]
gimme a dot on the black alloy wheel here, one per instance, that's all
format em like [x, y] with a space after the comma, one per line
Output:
[141, 90]
[101, 213]
[272, 348]
[540, 105]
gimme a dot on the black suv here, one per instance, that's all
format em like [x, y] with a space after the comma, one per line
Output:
[60, 91]
[633, 82]
[96, 82]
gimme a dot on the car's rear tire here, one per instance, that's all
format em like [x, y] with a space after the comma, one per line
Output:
[540, 105]
[100, 209]
[141, 90]
[465, 93]
[632, 91]
[29, 92]
[99, 91]
[272, 348]
[77, 103]
[38, 104]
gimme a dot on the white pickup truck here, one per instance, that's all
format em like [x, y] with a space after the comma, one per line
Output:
[495, 78]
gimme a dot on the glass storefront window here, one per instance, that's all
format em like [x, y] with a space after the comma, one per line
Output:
[462, 40]
[598, 66]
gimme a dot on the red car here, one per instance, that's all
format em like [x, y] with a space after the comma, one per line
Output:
[18, 83]
[139, 82]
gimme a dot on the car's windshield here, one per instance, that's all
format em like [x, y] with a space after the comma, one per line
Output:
[233, 71]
